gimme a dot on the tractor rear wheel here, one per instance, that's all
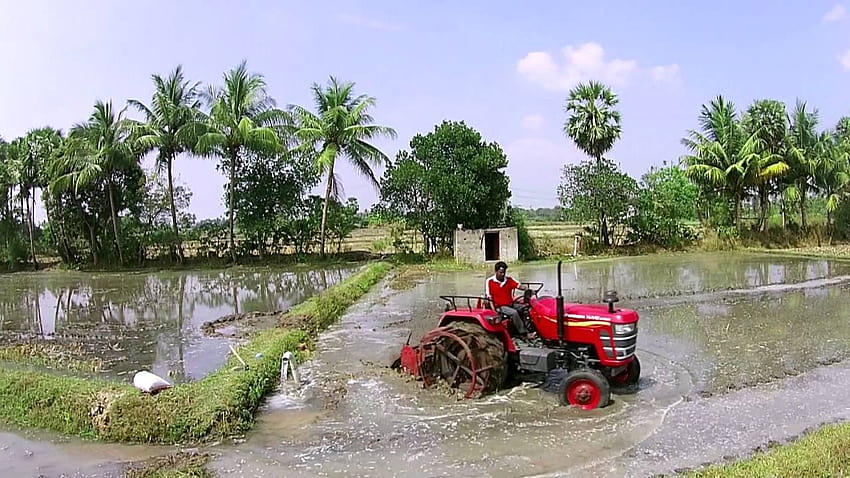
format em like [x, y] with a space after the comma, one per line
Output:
[464, 356]
[585, 388]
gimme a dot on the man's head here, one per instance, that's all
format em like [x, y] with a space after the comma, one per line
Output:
[501, 268]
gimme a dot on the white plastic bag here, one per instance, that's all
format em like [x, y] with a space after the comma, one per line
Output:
[149, 382]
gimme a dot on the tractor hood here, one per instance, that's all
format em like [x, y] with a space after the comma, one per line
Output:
[546, 306]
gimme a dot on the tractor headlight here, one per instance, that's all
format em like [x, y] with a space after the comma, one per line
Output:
[624, 329]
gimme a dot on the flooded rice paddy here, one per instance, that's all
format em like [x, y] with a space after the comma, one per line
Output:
[737, 350]
[150, 321]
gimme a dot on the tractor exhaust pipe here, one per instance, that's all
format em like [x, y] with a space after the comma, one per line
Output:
[559, 305]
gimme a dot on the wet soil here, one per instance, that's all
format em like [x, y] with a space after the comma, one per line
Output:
[738, 351]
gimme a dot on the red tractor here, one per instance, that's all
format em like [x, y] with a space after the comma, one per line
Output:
[589, 349]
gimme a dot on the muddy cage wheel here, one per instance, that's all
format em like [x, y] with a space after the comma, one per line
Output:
[463, 356]
[584, 388]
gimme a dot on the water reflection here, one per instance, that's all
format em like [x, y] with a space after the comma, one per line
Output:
[148, 320]
[678, 274]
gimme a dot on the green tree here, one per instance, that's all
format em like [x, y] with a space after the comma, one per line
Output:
[162, 201]
[802, 157]
[99, 150]
[242, 120]
[593, 186]
[593, 125]
[842, 131]
[342, 220]
[666, 200]
[450, 176]
[725, 158]
[10, 234]
[172, 126]
[40, 149]
[767, 120]
[341, 127]
[271, 189]
[833, 172]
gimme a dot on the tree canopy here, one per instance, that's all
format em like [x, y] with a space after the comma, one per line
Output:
[450, 176]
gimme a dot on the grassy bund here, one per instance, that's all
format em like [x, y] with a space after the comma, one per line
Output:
[220, 405]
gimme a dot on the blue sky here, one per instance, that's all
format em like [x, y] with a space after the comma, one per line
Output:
[503, 67]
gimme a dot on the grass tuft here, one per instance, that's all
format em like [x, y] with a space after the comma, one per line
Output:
[822, 453]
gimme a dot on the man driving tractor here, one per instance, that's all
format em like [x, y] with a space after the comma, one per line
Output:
[499, 288]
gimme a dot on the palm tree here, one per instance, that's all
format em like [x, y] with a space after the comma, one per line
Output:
[725, 157]
[37, 151]
[767, 119]
[833, 172]
[341, 126]
[242, 120]
[9, 174]
[593, 125]
[97, 150]
[5, 179]
[802, 157]
[172, 126]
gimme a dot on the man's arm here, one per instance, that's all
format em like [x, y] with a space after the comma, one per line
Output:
[518, 285]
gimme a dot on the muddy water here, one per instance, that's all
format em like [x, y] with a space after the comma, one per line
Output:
[151, 321]
[709, 322]
[734, 350]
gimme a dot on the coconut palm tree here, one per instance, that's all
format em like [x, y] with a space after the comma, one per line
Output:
[725, 157]
[340, 127]
[173, 124]
[96, 151]
[802, 157]
[593, 125]
[768, 120]
[833, 172]
[242, 120]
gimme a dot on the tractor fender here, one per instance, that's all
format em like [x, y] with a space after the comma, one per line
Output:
[484, 318]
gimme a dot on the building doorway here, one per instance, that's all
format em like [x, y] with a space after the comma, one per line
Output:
[491, 246]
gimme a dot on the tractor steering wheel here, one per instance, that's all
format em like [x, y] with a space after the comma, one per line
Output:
[523, 301]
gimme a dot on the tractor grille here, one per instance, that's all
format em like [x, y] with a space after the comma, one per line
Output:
[624, 345]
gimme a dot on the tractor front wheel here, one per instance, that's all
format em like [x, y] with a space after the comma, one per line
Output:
[628, 378]
[584, 388]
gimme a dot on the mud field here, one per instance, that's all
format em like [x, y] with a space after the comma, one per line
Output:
[738, 351]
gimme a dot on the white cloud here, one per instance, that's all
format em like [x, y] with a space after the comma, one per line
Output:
[367, 22]
[583, 63]
[533, 122]
[836, 13]
[844, 59]
[666, 73]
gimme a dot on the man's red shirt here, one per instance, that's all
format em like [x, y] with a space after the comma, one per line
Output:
[501, 292]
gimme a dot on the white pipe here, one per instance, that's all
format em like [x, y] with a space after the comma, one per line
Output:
[289, 367]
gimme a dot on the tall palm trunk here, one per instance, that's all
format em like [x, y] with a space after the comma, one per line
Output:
[764, 205]
[603, 223]
[803, 190]
[738, 200]
[115, 223]
[29, 220]
[93, 243]
[179, 244]
[231, 199]
[325, 207]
